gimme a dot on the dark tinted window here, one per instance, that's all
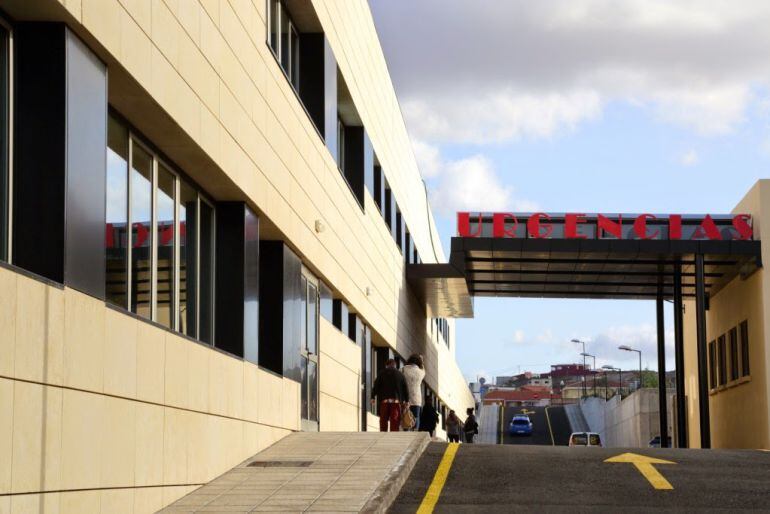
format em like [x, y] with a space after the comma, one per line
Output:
[595, 441]
[712, 365]
[520, 421]
[206, 273]
[4, 145]
[745, 370]
[580, 439]
[734, 353]
[722, 356]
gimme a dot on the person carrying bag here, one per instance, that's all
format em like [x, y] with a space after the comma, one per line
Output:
[407, 418]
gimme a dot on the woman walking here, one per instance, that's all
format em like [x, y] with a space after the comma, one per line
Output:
[414, 373]
[454, 427]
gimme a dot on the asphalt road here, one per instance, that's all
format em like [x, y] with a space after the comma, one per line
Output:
[507, 478]
[541, 435]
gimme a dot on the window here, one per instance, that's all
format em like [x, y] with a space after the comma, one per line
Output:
[733, 334]
[159, 239]
[5, 132]
[341, 144]
[712, 365]
[284, 40]
[745, 370]
[722, 356]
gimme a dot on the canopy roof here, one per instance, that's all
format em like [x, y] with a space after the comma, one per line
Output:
[575, 268]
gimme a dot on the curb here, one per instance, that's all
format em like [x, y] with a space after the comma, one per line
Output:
[385, 493]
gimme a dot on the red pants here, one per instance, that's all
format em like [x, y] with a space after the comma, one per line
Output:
[390, 412]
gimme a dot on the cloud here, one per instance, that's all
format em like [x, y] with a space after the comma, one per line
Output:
[488, 71]
[642, 337]
[471, 184]
[498, 116]
[689, 158]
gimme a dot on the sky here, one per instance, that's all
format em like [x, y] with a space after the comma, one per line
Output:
[578, 106]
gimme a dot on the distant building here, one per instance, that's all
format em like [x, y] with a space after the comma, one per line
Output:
[519, 397]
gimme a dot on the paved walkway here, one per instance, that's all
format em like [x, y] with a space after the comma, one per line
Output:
[314, 472]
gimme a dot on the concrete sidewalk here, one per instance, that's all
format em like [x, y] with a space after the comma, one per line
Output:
[314, 472]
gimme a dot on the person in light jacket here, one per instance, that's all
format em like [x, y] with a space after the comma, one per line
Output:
[414, 373]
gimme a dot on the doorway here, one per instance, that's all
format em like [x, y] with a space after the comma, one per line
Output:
[309, 292]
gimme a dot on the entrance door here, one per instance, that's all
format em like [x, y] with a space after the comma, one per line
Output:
[309, 351]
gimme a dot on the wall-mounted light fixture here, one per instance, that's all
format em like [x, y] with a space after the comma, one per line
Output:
[319, 226]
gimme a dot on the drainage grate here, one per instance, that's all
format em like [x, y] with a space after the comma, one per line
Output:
[279, 464]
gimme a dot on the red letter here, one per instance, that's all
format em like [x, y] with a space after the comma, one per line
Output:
[742, 223]
[707, 228]
[570, 226]
[464, 225]
[109, 238]
[141, 234]
[498, 225]
[533, 226]
[675, 226]
[640, 227]
[604, 224]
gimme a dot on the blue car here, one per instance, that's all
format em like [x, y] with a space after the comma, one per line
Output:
[520, 425]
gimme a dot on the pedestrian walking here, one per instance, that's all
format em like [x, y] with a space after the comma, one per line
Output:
[454, 427]
[414, 373]
[429, 419]
[471, 426]
[390, 390]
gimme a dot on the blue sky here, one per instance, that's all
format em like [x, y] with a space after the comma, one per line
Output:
[581, 106]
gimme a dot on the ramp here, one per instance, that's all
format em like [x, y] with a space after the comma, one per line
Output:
[313, 472]
[489, 424]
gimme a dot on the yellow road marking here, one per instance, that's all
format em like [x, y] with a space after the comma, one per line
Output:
[439, 479]
[548, 419]
[645, 466]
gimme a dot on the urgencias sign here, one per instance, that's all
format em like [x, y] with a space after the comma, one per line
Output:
[540, 225]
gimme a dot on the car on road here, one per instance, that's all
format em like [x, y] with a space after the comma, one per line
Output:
[655, 442]
[591, 439]
[520, 425]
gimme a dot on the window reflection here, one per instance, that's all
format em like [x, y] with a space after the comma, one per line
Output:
[188, 212]
[164, 204]
[163, 269]
[116, 237]
[141, 231]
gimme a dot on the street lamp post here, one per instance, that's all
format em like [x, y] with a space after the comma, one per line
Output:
[593, 368]
[620, 378]
[578, 341]
[629, 349]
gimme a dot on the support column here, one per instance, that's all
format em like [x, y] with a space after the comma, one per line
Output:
[662, 371]
[681, 404]
[703, 390]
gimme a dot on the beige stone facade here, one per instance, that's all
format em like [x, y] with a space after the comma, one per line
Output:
[105, 412]
[738, 409]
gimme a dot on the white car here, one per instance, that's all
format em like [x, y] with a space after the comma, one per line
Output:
[591, 439]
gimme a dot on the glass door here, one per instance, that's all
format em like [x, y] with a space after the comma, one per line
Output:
[309, 351]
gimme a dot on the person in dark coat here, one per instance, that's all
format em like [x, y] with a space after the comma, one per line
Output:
[428, 419]
[391, 392]
[471, 426]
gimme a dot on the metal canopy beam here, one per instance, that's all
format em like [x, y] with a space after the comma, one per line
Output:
[681, 404]
[662, 403]
[703, 392]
